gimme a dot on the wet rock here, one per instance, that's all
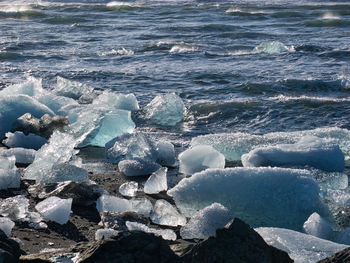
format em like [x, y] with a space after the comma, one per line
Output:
[44, 126]
[9, 249]
[237, 243]
[340, 257]
[129, 247]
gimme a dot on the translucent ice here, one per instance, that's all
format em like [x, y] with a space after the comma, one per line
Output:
[62, 172]
[234, 145]
[55, 209]
[9, 178]
[310, 151]
[54, 102]
[166, 214]
[260, 196]
[166, 110]
[157, 182]
[71, 89]
[7, 162]
[108, 203]
[273, 47]
[302, 248]
[165, 153]
[204, 223]
[137, 167]
[129, 188]
[14, 207]
[166, 234]
[319, 227]
[31, 87]
[59, 149]
[25, 156]
[18, 139]
[118, 101]
[199, 158]
[14, 106]
[105, 233]
[130, 146]
[6, 225]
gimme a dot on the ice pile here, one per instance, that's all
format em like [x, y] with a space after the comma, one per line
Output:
[9, 175]
[6, 225]
[309, 151]
[55, 209]
[19, 140]
[157, 182]
[22, 155]
[260, 196]
[105, 233]
[129, 189]
[108, 203]
[302, 248]
[165, 110]
[199, 158]
[234, 145]
[118, 101]
[166, 234]
[204, 223]
[166, 214]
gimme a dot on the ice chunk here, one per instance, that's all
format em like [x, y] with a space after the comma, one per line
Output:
[7, 162]
[234, 145]
[108, 203]
[9, 178]
[25, 156]
[129, 189]
[31, 87]
[204, 223]
[62, 172]
[166, 234]
[55, 209]
[105, 233]
[166, 214]
[130, 146]
[118, 101]
[14, 207]
[59, 149]
[273, 47]
[54, 102]
[71, 89]
[14, 106]
[311, 151]
[166, 110]
[6, 225]
[260, 196]
[318, 227]
[199, 158]
[18, 139]
[165, 153]
[302, 248]
[157, 182]
[138, 167]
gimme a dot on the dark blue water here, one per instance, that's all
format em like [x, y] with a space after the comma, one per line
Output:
[206, 51]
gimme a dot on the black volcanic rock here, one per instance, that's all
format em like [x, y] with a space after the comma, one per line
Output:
[9, 249]
[340, 257]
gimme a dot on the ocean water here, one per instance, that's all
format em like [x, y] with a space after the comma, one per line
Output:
[240, 66]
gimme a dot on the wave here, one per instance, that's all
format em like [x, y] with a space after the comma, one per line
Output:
[19, 11]
[116, 5]
[331, 16]
[182, 48]
[244, 12]
[118, 52]
[306, 98]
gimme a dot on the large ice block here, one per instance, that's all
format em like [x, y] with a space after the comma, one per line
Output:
[14, 106]
[7, 162]
[31, 87]
[166, 234]
[260, 196]
[309, 151]
[166, 110]
[234, 145]
[157, 182]
[137, 167]
[22, 155]
[118, 101]
[302, 248]
[55, 209]
[199, 158]
[204, 223]
[9, 178]
[166, 214]
[18, 139]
